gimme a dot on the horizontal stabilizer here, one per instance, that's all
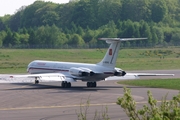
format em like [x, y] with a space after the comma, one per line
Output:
[121, 39]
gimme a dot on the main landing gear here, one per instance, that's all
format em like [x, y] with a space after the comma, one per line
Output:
[36, 80]
[91, 84]
[65, 84]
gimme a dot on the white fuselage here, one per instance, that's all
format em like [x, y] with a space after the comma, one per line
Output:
[40, 66]
[83, 71]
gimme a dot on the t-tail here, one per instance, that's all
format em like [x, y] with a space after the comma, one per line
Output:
[110, 58]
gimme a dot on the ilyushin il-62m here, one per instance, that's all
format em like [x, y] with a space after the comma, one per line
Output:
[67, 72]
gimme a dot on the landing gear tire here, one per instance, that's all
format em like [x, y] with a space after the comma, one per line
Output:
[91, 84]
[69, 85]
[65, 84]
[36, 80]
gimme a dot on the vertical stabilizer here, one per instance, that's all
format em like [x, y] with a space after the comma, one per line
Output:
[110, 58]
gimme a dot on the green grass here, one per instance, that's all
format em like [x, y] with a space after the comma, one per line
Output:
[16, 60]
[154, 83]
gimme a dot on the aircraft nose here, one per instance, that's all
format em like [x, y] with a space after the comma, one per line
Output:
[28, 69]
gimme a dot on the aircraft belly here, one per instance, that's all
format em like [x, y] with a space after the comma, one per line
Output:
[98, 77]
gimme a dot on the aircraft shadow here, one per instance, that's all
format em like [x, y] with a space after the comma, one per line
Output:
[30, 86]
[42, 86]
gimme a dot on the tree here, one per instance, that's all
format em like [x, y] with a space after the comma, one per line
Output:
[53, 35]
[41, 35]
[109, 10]
[145, 31]
[47, 14]
[136, 10]
[80, 31]
[154, 37]
[81, 16]
[108, 30]
[15, 39]
[32, 37]
[3, 35]
[62, 40]
[159, 10]
[88, 36]
[136, 27]
[8, 39]
[76, 40]
[24, 39]
[47, 35]
[30, 18]
[2, 25]
[175, 39]
[159, 33]
[90, 19]
[15, 21]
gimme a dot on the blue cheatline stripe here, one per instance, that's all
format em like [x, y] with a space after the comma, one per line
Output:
[49, 69]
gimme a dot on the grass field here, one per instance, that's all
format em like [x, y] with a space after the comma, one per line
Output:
[16, 60]
[154, 83]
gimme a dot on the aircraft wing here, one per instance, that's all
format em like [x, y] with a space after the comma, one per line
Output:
[148, 74]
[130, 76]
[126, 77]
[29, 78]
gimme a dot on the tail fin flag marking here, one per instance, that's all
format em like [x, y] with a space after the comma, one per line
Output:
[110, 51]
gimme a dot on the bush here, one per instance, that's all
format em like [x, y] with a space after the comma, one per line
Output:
[166, 110]
[84, 109]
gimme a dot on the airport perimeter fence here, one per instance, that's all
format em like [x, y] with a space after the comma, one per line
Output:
[86, 46]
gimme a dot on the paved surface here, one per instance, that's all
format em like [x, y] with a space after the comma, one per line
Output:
[48, 101]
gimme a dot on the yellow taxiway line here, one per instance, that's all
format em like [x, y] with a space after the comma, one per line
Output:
[65, 106]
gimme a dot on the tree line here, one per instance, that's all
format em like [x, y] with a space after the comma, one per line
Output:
[82, 22]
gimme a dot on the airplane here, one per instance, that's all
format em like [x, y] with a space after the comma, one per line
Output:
[67, 72]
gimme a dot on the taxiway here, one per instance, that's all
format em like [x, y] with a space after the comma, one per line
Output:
[48, 101]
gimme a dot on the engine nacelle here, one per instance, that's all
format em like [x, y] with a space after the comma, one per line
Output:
[90, 72]
[80, 72]
[119, 72]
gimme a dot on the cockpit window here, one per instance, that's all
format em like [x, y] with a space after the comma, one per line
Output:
[31, 64]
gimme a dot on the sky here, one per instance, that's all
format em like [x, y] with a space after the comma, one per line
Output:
[10, 6]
